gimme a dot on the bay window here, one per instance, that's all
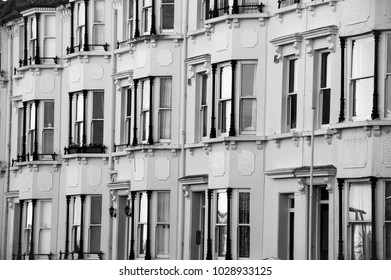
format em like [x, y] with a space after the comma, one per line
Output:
[362, 77]
[165, 108]
[49, 40]
[86, 113]
[360, 210]
[126, 116]
[80, 24]
[167, 14]
[203, 87]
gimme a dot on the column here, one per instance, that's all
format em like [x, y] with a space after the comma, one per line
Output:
[150, 128]
[70, 118]
[31, 252]
[342, 96]
[373, 181]
[213, 115]
[137, 28]
[72, 46]
[37, 57]
[131, 253]
[68, 198]
[340, 224]
[228, 254]
[209, 255]
[148, 242]
[375, 107]
[85, 47]
[135, 85]
[80, 253]
[153, 19]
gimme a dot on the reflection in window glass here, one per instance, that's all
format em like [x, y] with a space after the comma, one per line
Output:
[221, 224]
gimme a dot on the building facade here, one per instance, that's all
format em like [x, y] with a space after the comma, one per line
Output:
[168, 129]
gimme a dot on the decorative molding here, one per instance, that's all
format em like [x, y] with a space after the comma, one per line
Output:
[292, 39]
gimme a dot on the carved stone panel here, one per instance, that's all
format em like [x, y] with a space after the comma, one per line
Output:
[218, 163]
[359, 11]
[74, 73]
[221, 41]
[94, 175]
[354, 152]
[96, 72]
[141, 59]
[45, 181]
[47, 83]
[139, 166]
[387, 152]
[25, 183]
[249, 38]
[162, 168]
[164, 57]
[246, 162]
[72, 176]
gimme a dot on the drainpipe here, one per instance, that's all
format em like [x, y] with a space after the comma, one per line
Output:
[311, 187]
[182, 169]
[8, 160]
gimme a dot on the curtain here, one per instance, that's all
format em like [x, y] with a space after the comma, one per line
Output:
[165, 108]
[45, 228]
[244, 228]
[163, 226]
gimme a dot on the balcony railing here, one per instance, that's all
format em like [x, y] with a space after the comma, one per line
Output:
[30, 60]
[85, 149]
[287, 3]
[78, 255]
[120, 147]
[33, 157]
[242, 8]
[79, 48]
[122, 44]
[26, 256]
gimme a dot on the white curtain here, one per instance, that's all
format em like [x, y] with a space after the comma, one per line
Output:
[163, 223]
[165, 108]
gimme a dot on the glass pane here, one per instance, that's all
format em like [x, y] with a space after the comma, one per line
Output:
[48, 118]
[388, 202]
[99, 34]
[162, 239]
[32, 116]
[222, 203]
[165, 92]
[225, 113]
[81, 13]
[165, 124]
[204, 121]
[142, 237]
[79, 108]
[325, 95]
[143, 208]
[44, 243]
[96, 209]
[244, 242]
[222, 240]
[50, 26]
[204, 89]
[388, 53]
[99, 11]
[29, 214]
[145, 126]
[292, 83]
[388, 241]
[244, 208]
[168, 16]
[226, 82]
[33, 27]
[48, 138]
[145, 93]
[248, 77]
[20, 130]
[95, 239]
[325, 71]
[361, 241]
[248, 114]
[50, 49]
[292, 107]
[363, 94]
[97, 132]
[363, 57]
[388, 94]
[360, 202]
[98, 105]
[129, 102]
[163, 207]
[77, 211]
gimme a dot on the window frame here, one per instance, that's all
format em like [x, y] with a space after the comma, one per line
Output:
[224, 103]
[239, 224]
[146, 17]
[242, 98]
[47, 128]
[387, 220]
[161, 108]
[127, 100]
[291, 84]
[164, 223]
[163, 16]
[80, 24]
[145, 109]
[48, 37]
[323, 84]
[202, 83]
[387, 73]
[97, 25]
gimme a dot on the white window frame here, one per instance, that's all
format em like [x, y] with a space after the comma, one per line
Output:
[223, 102]
[49, 127]
[146, 17]
[322, 89]
[162, 16]
[126, 119]
[130, 12]
[202, 83]
[162, 109]
[80, 23]
[387, 222]
[164, 223]
[96, 25]
[291, 93]
[239, 225]
[145, 109]
[242, 98]
[48, 37]
[387, 100]
[32, 21]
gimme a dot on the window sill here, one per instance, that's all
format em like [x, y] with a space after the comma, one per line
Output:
[85, 55]
[235, 19]
[152, 39]
[150, 148]
[84, 157]
[35, 68]
[292, 8]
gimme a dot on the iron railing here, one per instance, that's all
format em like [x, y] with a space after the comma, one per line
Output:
[287, 3]
[33, 157]
[79, 48]
[79, 255]
[247, 7]
[82, 149]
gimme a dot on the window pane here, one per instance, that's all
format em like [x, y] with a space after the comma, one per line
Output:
[20, 130]
[143, 208]
[325, 71]
[388, 53]
[360, 202]
[145, 101]
[162, 239]
[165, 124]
[244, 242]
[292, 110]
[98, 105]
[226, 82]
[77, 211]
[361, 241]
[363, 90]
[142, 237]
[222, 203]
[388, 202]
[48, 118]
[388, 241]
[244, 208]
[99, 12]
[97, 132]
[165, 92]
[50, 49]
[388, 96]
[95, 239]
[222, 240]
[163, 207]
[29, 214]
[129, 102]
[363, 57]
[80, 108]
[32, 116]
[168, 16]
[99, 34]
[248, 77]
[204, 89]
[48, 138]
[81, 13]
[50, 26]
[325, 96]
[96, 209]
[292, 84]
[248, 114]
[225, 115]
